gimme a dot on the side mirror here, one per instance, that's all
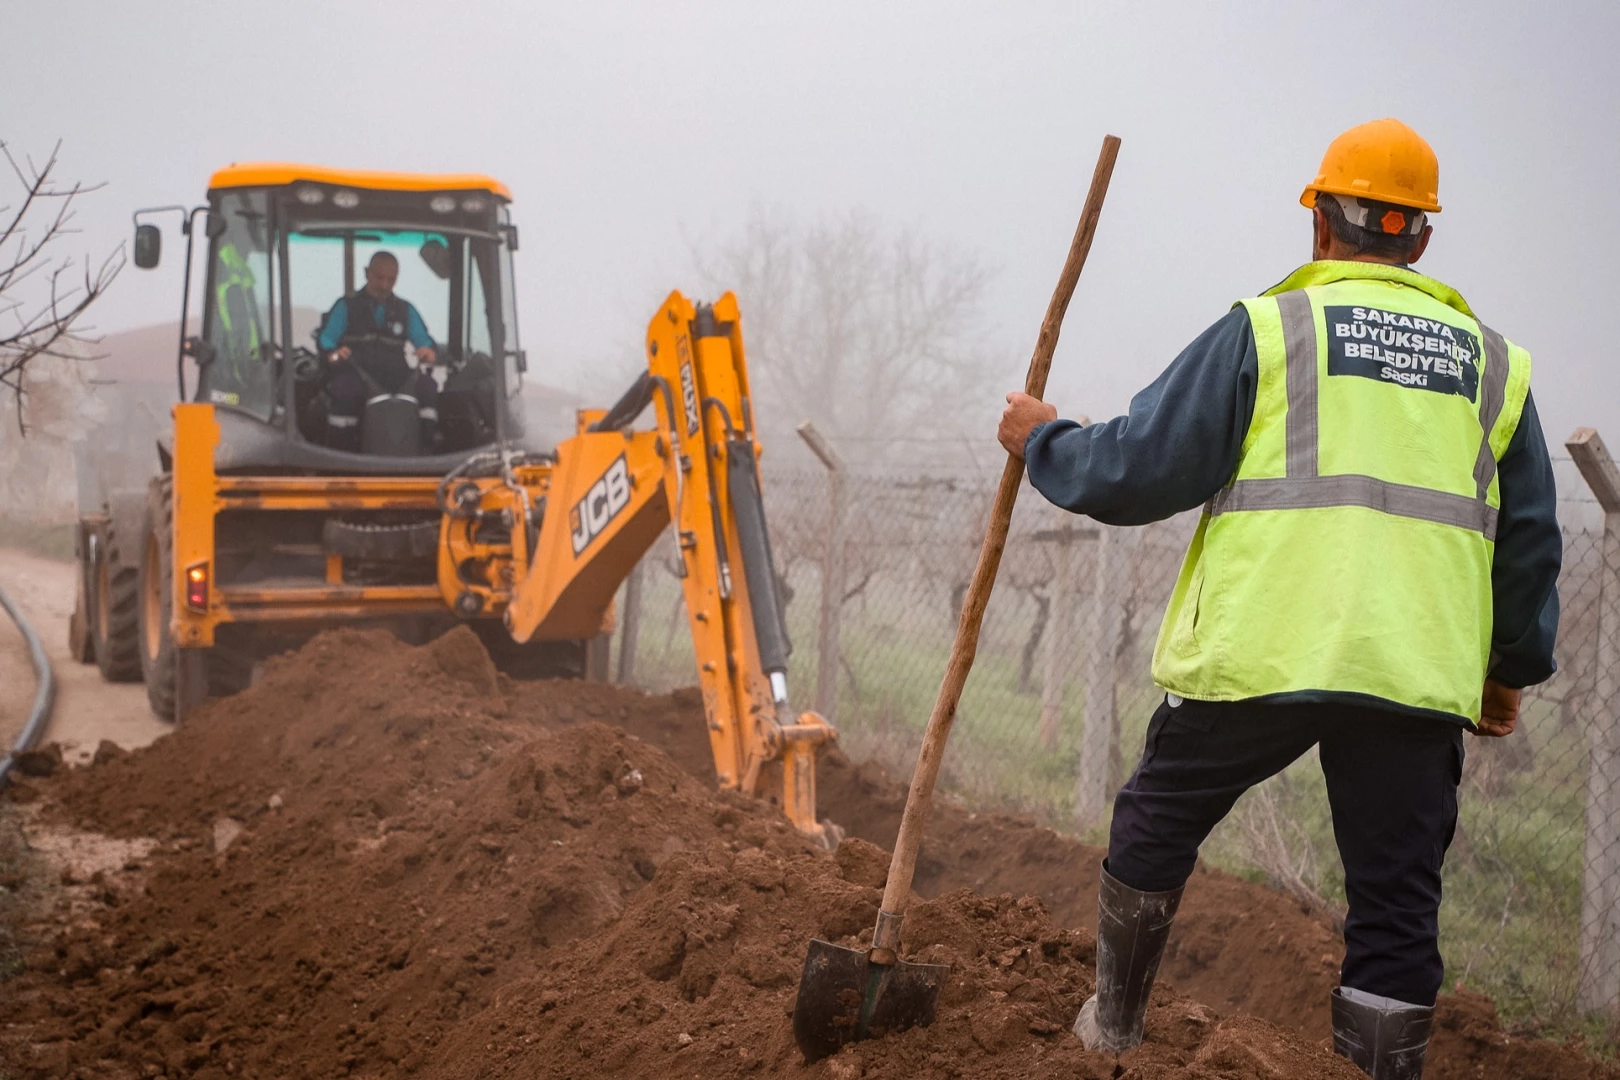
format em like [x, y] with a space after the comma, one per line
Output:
[511, 236]
[148, 246]
[201, 351]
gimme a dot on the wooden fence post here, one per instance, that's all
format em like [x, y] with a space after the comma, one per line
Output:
[630, 626]
[1600, 893]
[832, 574]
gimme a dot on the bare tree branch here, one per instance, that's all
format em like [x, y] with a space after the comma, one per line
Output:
[44, 296]
[869, 331]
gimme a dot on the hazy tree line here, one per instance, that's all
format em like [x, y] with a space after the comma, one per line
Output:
[872, 331]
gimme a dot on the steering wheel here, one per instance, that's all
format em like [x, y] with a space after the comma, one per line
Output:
[306, 365]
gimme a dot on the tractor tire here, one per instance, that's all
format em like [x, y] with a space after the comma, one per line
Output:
[81, 643]
[228, 672]
[114, 606]
[157, 651]
[176, 678]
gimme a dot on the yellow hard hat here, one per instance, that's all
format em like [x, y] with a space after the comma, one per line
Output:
[1383, 160]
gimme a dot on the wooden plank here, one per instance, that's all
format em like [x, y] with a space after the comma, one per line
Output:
[1597, 467]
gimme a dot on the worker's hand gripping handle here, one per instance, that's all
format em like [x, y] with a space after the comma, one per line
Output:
[886, 938]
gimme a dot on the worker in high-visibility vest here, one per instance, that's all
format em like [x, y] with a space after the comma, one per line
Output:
[1374, 574]
[237, 309]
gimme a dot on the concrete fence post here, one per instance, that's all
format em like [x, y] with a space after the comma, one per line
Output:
[1107, 626]
[1058, 644]
[630, 624]
[1600, 893]
[832, 573]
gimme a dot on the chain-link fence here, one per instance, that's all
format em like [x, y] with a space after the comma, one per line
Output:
[1054, 715]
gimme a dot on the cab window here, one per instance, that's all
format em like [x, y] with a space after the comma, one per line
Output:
[507, 321]
[236, 372]
[317, 260]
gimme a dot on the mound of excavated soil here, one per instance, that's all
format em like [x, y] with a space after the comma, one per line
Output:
[699, 976]
[1235, 947]
[387, 860]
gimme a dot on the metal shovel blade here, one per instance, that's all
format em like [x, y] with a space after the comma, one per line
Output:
[843, 997]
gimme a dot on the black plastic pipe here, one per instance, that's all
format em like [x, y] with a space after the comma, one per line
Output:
[40, 715]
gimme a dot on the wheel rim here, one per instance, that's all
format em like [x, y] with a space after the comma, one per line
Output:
[152, 602]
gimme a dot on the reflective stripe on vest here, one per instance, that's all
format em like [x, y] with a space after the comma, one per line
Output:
[1304, 489]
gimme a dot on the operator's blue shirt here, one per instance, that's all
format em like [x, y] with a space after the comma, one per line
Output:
[1182, 440]
[337, 323]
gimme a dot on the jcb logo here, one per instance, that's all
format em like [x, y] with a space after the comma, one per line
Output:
[689, 399]
[609, 495]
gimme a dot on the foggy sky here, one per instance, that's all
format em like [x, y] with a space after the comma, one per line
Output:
[630, 132]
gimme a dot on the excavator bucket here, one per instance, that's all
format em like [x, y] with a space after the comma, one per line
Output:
[844, 997]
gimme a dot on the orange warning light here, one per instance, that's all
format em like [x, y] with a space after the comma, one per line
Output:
[197, 587]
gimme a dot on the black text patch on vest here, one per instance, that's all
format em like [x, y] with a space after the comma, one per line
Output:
[1406, 350]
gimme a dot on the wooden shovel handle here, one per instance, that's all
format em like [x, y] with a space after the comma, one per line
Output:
[904, 864]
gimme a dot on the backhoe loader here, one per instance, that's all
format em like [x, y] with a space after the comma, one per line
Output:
[260, 527]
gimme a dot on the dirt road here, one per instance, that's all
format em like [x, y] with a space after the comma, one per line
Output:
[87, 709]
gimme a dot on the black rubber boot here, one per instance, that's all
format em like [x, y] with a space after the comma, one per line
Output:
[1132, 928]
[1386, 1043]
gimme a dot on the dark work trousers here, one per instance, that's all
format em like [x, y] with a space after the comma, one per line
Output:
[1392, 786]
[348, 392]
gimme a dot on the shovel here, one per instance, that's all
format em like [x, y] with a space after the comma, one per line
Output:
[850, 994]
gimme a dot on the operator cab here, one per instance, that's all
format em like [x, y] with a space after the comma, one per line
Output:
[288, 353]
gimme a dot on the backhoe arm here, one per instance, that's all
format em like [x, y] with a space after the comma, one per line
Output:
[609, 496]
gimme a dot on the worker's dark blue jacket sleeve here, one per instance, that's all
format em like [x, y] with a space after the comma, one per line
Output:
[1182, 439]
[1529, 552]
[1179, 444]
[334, 326]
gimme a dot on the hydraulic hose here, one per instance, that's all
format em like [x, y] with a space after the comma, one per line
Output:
[40, 715]
[629, 406]
[759, 569]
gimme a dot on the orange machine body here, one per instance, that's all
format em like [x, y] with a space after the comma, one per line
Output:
[544, 546]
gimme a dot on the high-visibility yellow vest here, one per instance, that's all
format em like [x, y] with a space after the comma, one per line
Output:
[1351, 552]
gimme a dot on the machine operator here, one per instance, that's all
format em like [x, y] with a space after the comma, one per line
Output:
[1374, 574]
[369, 329]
